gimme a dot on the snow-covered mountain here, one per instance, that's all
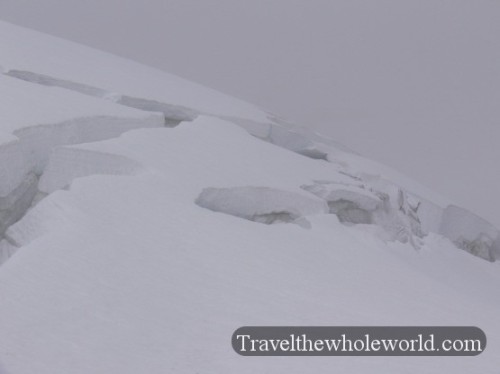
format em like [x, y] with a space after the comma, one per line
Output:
[143, 218]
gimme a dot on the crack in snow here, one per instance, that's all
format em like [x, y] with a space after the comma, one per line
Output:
[174, 114]
[480, 239]
[23, 162]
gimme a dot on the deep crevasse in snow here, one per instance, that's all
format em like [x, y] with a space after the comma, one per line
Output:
[401, 214]
[403, 209]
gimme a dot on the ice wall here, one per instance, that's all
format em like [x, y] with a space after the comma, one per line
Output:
[261, 204]
[470, 233]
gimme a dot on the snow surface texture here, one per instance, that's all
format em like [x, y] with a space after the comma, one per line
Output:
[123, 263]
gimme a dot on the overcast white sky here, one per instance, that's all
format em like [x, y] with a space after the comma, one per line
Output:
[414, 84]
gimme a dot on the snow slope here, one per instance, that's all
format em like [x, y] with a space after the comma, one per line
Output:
[47, 60]
[33, 56]
[140, 248]
[34, 120]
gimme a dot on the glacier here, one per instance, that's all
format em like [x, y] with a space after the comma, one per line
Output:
[143, 218]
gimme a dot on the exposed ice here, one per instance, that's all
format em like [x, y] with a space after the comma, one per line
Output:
[350, 203]
[406, 217]
[15, 204]
[285, 136]
[470, 232]
[55, 82]
[35, 120]
[174, 114]
[314, 153]
[392, 209]
[67, 164]
[260, 204]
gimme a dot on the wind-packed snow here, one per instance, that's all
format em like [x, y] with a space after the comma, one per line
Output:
[127, 274]
[121, 262]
